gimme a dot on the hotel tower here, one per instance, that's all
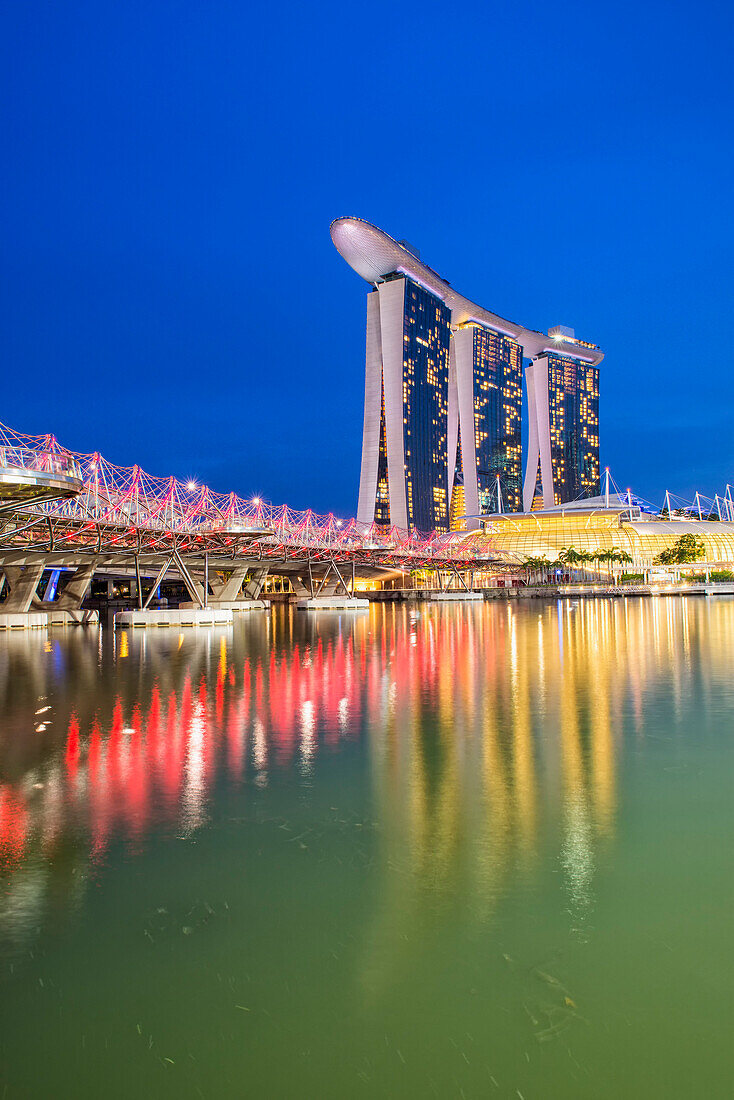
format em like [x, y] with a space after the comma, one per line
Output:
[443, 398]
[563, 418]
[406, 407]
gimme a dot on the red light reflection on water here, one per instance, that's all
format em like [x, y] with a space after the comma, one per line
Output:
[13, 826]
[151, 761]
[72, 746]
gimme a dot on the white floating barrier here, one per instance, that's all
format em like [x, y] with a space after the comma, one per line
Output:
[332, 603]
[184, 616]
[19, 620]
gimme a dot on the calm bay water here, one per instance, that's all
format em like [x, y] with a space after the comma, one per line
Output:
[454, 851]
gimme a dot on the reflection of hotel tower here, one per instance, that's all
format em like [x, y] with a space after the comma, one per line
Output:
[443, 396]
[525, 715]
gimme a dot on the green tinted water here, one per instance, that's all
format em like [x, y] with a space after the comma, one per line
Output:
[453, 851]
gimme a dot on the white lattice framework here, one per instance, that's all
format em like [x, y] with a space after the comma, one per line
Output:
[125, 506]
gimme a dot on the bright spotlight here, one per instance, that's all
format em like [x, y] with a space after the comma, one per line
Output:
[191, 485]
[256, 501]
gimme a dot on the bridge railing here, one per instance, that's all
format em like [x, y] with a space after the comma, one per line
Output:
[126, 497]
[39, 461]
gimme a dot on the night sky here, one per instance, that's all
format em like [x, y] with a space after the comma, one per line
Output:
[170, 293]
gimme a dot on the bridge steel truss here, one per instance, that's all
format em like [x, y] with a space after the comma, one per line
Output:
[120, 519]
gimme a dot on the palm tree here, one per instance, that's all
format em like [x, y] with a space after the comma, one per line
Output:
[602, 556]
[618, 557]
[585, 557]
[569, 556]
[537, 566]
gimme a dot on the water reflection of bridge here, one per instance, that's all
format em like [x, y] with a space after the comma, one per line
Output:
[486, 729]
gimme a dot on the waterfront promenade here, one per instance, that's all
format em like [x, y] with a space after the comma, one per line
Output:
[555, 591]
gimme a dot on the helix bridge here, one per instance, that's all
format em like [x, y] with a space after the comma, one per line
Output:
[61, 509]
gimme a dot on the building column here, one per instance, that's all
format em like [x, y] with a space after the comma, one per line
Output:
[539, 443]
[372, 413]
[462, 343]
[392, 314]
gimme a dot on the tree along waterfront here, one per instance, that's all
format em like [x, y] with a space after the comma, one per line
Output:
[577, 564]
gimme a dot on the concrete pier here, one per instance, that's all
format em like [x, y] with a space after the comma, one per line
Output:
[184, 616]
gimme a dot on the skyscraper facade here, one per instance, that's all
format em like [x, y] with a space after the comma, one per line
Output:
[406, 408]
[443, 398]
[563, 414]
[488, 373]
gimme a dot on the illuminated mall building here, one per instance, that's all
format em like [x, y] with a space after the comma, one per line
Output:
[443, 398]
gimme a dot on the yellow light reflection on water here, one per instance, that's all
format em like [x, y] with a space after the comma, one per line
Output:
[490, 732]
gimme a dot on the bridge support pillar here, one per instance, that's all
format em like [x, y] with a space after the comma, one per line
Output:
[227, 589]
[23, 582]
[331, 582]
[254, 586]
[228, 594]
[194, 585]
[72, 598]
[334, 582]
[300, 584]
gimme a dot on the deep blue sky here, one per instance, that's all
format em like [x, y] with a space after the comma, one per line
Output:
[170, 294]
